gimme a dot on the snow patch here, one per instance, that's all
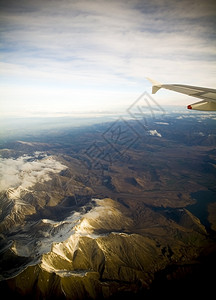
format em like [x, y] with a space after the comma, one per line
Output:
[54, 243]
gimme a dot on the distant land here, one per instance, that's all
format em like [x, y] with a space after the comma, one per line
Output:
[124, 206]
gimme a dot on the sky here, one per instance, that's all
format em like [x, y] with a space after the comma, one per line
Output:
[68, 57]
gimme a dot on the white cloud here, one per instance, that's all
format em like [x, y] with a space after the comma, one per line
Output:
[154, 133]
[162, 123]
[201, 133]
[25, 171]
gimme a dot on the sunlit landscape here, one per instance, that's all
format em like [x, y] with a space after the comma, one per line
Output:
[106, 191]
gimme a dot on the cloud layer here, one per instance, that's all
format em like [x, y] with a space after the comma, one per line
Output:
[55, 52]
[26, 171]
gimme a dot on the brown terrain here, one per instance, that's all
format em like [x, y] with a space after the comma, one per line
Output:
[126, 213]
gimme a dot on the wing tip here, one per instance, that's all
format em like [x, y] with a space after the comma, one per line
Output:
[155, 85]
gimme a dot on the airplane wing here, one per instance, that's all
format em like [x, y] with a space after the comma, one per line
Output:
[207, 95]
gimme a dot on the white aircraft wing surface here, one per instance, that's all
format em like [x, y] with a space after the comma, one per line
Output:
[207, 95]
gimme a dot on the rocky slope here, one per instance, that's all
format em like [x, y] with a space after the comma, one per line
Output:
[99, 253]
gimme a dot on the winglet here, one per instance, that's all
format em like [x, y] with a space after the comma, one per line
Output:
[155, 85]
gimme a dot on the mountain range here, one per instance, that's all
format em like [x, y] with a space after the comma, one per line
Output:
[123, 208]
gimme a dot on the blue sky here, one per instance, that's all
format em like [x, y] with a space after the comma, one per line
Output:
[65, 57]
